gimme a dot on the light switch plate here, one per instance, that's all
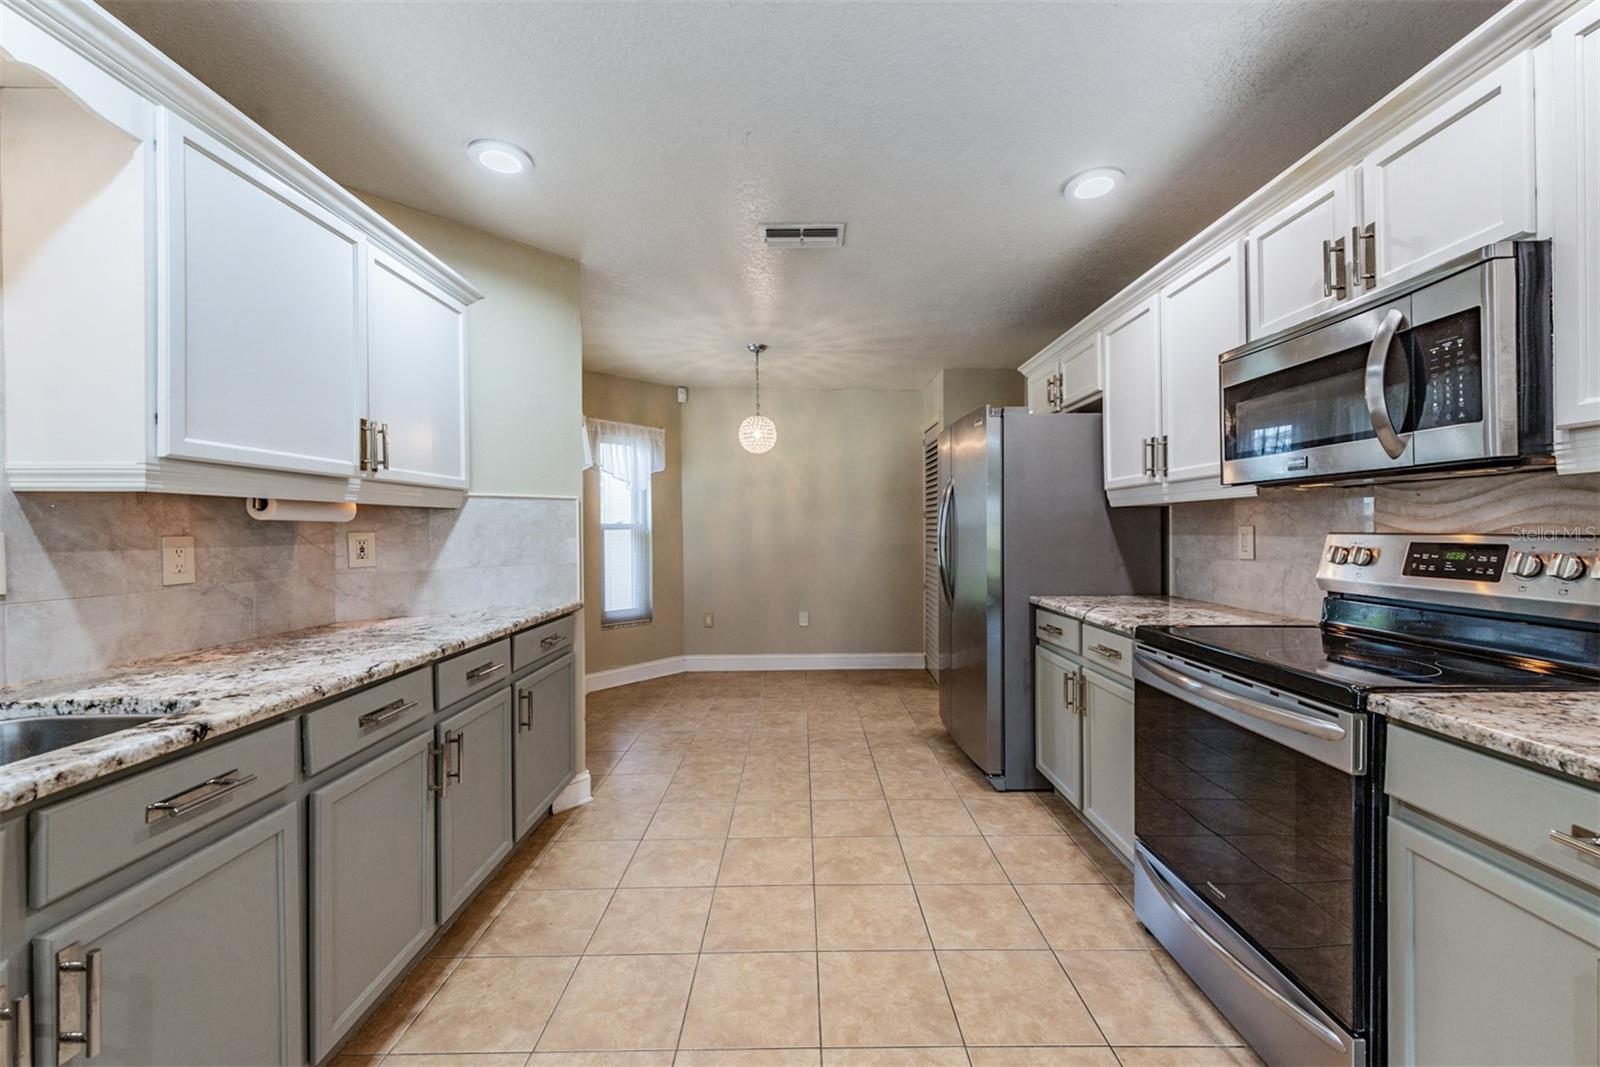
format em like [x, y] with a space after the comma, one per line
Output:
[363, 549]
[805, 618]
[1247, 542]
[710, 620]
[177, 561]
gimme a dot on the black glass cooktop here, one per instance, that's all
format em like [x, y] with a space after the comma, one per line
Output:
[1341, 666]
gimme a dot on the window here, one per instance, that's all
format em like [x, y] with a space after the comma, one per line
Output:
[624, 457]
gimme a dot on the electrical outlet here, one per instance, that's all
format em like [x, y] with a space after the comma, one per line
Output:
[710, 620]
[177, 561]
[363, 549]
[1247, 542]
[805, 618]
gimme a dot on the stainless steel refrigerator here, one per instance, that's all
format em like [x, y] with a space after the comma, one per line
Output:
[1023, 513]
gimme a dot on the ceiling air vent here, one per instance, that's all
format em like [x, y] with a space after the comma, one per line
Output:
[803, 234]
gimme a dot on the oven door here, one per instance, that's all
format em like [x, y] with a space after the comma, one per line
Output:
[1251, 814]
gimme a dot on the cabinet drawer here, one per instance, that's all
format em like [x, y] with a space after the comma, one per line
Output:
[346, 726]
[79, 840]
[1057, 630]
[531, 646]
[1513, 806]
[474, 671]
[1108, 651]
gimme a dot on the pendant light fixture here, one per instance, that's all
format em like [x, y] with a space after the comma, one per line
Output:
[757, 433]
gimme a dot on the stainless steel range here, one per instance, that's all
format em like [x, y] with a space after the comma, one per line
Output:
[1259, 803]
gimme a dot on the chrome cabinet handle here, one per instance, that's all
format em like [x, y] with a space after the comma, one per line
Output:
[1334, 275]
[454, 738]
[1377, 359]
[1581, 838]
[196, 796]
[1162, 462]
[1147, 457]
[1069, 684]
[364, 433]
[383, 439]
[1327, 268]
[1311, 1023]
[1107, 651]
[1325, 729]
[483, 670]
[1364, 245]
[16, 1049]
[437, 784]
[77, 1014]
[1051, 628]
[524, 704]
[551, 641]
[386, 714]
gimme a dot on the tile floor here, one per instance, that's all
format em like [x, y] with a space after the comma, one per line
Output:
[797, 868]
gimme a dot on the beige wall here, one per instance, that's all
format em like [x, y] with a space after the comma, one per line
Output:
[955, 391]
[524, 350]
[645, 404]
[827, 522]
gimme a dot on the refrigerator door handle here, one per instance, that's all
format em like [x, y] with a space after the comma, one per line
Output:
[942, 541]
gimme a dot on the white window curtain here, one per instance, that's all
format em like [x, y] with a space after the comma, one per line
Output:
[624, 457]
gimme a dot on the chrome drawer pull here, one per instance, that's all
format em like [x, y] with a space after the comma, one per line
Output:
[196, 796]
[1581, 838]
[386, 714]
[17, 1051]
[484, 670]
[1106, 650]
[1051, 629]
[70, 961]
[551, 641]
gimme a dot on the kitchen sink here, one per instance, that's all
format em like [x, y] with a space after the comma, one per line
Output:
[32, 736]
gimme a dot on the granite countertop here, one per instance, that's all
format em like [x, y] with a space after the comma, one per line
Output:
[1124, 614]
[1558, 730]
[200, 695]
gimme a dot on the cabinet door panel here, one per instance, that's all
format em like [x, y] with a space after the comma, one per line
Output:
[1108, 760]
[1133, 394]
[1055, 727]
[1039, 388]
[416, 376]
[544, 753]
[1080, 372]
[264, 349]
[1521, 988]
[372, 884]
[1459, 178]
[201, 964]
[1285, 257]
[1202, 316]
[475, 808]
[1576, 230]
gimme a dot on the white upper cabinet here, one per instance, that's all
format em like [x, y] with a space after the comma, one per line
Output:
[261, 307]
[416, 378]
[1064, 377]
[1133, 396]
[1458, 178]
[1299, 257]
[1202, 316]
[1576, 238]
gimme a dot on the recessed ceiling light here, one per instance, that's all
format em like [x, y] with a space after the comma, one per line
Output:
[1093, 184]
[500, 157]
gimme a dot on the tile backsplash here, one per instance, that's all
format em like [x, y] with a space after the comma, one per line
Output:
[84, 572]
[1290, 525]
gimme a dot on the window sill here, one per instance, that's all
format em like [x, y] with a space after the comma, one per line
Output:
[623, 624]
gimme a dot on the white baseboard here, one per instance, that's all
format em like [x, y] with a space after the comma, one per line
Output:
[575, 794]
[776, 661]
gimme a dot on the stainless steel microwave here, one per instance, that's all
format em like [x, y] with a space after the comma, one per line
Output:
[1449, 374]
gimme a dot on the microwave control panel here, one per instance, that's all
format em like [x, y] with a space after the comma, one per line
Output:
[1449, 355]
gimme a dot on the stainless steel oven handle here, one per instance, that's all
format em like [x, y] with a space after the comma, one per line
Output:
[1377, 359]
[1304, 724]
[1323, 1033]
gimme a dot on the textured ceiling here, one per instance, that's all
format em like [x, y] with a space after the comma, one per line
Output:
[665, 133]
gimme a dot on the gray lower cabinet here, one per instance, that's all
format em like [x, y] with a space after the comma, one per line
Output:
[475, 798]
[199, 965]
[543, 747]
[1107, 715]
[1058, 750]
[1489, 963]
[373, 884]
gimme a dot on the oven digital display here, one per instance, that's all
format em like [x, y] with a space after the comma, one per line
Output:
[1470, 563]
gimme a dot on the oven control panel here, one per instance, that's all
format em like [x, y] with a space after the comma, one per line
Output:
[1544, 575]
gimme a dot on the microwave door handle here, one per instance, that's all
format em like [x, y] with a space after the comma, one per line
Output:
[1377, 359]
